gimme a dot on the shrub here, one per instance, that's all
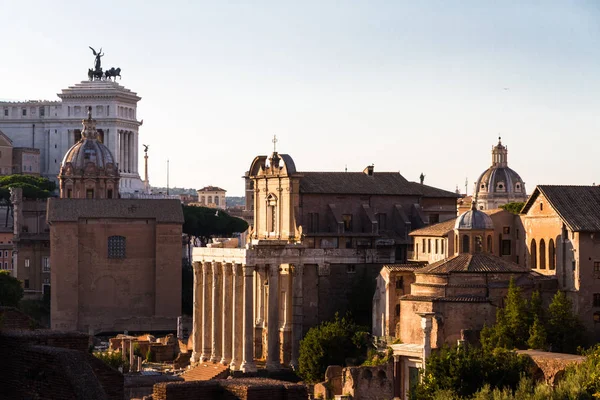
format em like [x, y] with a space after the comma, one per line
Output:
[113, 359]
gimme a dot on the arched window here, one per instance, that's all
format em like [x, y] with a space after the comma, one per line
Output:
[399, 283]
[437, 246]
[551, 255]
[542, 254]
[271, 213]
[217, 200]
[116, 247]
[209, 199]
[489, 244]
[443, 240]
[533, 250]
[478, 244]
[465, 243]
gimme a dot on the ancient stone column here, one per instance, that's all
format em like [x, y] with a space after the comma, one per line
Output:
[121, 151]
[237, 318]
[226, 314]
[273, 319]
[297, 312]
[397, 377]
[206, 311]
[259, 302]
[215, 355]
[248, 356]
[197, 314]
[285, 315]
[426, 325]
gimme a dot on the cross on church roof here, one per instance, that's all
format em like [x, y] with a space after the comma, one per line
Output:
[274, 143]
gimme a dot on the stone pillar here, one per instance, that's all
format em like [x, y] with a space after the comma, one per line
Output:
[259, 303]
[206, 311]
[131, 363]
[285, 315]
[426, 325]
[273, 362]
[297, 313]
[197, 313]
[227, 314]
[248, 355]
[215, 355]
[236, 317]
[397, 385]
[121, 152]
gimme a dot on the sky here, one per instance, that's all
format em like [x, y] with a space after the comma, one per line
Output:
[407, 86]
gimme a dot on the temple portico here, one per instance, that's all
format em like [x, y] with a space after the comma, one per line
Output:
[257, 302]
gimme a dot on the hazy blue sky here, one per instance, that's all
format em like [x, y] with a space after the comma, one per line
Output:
[411, 86]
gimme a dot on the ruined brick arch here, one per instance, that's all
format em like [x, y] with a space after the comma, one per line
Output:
[551, 255]
[542, 254]
[533, 250]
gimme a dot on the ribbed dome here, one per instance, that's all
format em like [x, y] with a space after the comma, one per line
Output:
[474, 219]
[89, 150]
[499, 179]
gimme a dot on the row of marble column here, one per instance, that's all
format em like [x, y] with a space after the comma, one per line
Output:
[127, 143]
[229, 310]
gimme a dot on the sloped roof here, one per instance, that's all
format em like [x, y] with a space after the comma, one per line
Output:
[408, 267]
[577, 206]
[211, 189]
[477, 262]
[71, 210]
[439, 229]
[380, 183]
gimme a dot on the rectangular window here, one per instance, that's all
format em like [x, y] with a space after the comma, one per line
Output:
[429, 246]
[27, 263]
[596, 299]
[348, 243]
[313, 222]
[506, 247]
[42, 111]
[597, 266]
[5, 253]
[116, 247]
[351, 269]
[423, 246]
[24, 112]
[443, 241]
[69, 193]
[347, 218]
[381, 221]
[437, 248]
[26, 284]
[89, 193]
[6, 112]
[506, 230]
[46, 264]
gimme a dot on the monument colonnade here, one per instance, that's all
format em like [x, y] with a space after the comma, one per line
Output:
[235, 303]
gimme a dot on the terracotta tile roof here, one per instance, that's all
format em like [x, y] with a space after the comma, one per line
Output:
[380, 183]
[211, 189]
[577, 206]
[459, 299]
[404, 267]
[477, 262]
[70, 210]
[439, 229]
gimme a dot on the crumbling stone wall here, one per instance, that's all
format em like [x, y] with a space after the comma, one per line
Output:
[369, 383]
[54, 365]
[230, 389]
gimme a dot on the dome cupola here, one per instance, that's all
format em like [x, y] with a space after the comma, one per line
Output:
[474, 219]
[88, 169]
[499, 184]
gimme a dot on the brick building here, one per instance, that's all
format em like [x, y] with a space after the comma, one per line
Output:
[116, 262]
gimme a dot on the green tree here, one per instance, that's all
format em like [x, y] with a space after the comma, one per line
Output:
[330, 343]
[565, 330]
[514, 207]
[204, 223]
[11, 290]
[537, 335]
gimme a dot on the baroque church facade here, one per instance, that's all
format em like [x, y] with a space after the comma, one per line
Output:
[52, 127]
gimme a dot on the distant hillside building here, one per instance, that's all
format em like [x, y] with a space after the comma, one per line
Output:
[212, 196]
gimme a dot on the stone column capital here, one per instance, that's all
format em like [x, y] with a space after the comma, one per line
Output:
[248, 270]
[274, 270]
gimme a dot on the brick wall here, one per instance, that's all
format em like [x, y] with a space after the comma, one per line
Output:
[12, 318]
[230, 389]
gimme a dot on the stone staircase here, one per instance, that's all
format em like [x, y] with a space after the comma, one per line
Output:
[206, 371]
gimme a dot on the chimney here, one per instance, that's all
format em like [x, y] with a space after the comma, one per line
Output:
[369, 170]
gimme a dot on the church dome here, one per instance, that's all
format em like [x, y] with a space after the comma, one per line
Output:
[499, 184]
[474, 220]
[89, 150]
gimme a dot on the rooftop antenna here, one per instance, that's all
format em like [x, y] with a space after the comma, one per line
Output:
[466, 186]
[167, 176]
[346, 168]
[274, 143]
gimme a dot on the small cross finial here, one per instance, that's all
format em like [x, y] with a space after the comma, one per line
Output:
[274, 143]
